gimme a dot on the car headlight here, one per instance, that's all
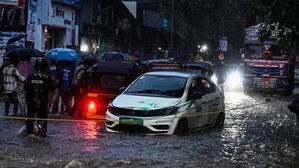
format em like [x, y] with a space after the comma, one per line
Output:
[168, 110]
[110, 107]
[234, 80]
[214, 78]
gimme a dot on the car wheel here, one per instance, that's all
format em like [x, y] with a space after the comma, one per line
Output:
[182, 127]
[220, 120]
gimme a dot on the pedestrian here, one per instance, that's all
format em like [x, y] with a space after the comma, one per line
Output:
[294, 106]
[65, 74]
[37, 87]
[4, 64]
[221, 75]
[10, 77]
[25, 68]
[54, 95]
[77, 86]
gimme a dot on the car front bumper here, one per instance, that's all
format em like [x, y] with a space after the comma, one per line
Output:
[148, 125]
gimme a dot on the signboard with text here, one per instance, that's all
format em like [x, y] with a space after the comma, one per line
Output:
[62, 16]
[32, 21]
[223, 44]
[9, 2]
[4, 37]
[73, 2]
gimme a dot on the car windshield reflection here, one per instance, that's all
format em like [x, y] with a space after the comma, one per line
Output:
[165, 86]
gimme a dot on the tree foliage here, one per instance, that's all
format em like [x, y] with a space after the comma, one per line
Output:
[285, 13]
[206, 21]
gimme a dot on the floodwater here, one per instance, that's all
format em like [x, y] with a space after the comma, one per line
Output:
[254, 135]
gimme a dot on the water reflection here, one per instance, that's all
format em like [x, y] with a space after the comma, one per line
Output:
[90, 131]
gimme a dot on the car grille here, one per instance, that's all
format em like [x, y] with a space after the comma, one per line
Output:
[133, 128]
[137, 113]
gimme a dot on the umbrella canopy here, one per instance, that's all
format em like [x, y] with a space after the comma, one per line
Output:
[63, 54]
[19, 53]
[10, 47]
[14, 39]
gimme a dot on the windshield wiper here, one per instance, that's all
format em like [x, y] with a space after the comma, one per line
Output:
[174, 93]
[150, 91]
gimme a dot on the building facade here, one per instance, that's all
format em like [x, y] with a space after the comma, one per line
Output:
[55, 26]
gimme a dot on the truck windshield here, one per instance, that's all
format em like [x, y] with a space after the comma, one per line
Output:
[255, 51]
[261, 51]
[166, 86]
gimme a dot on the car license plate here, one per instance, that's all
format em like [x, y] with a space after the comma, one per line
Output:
[130, 121]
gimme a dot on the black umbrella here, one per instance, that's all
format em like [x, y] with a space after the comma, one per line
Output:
[19, 53]
[14, 39]
[10, 47]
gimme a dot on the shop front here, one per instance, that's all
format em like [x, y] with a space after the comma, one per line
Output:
[58, 29]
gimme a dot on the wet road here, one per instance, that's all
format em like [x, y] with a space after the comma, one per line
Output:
[264, 135]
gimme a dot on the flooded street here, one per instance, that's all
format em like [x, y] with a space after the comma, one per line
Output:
[263, 135]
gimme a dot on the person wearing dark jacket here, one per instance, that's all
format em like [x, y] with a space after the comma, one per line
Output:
[37, 87]
[294, 107]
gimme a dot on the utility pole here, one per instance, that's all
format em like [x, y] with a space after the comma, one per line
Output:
[171, 31]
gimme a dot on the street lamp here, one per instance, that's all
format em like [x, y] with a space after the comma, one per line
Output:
[84, 47]
[202, 48]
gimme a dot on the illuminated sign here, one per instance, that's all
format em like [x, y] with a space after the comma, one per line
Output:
[71, 1]
[9, 2]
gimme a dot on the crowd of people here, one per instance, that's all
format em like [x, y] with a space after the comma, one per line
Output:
[37, 88]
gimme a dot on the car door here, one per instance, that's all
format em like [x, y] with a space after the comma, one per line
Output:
[198, 105]
[213, 99]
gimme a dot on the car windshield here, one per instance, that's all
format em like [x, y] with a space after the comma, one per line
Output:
[194, 70]
[166, 86]
[165, 68]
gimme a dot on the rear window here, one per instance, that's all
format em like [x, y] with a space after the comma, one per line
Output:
[112, 81]
[165, 68]
[113, 56]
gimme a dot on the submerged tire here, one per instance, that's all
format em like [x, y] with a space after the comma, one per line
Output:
[220, 120]
[182, 127]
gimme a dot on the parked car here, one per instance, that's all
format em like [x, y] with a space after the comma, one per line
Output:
[202, 68]
[112, 56]
[165, 103]
[162, 65]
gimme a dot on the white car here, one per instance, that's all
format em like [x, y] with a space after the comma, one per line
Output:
[166, 103]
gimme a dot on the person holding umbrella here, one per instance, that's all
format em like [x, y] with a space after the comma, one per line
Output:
[65, 74]
[25, 68]
[77, 84]
[65, 57]
[54, 95]
[10, 77]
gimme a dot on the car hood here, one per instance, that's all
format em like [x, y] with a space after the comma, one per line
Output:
[144, 102]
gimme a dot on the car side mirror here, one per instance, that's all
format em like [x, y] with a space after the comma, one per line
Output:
[196, 95]
[121, 89]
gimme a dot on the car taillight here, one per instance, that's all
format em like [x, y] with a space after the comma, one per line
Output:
[91, 105]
